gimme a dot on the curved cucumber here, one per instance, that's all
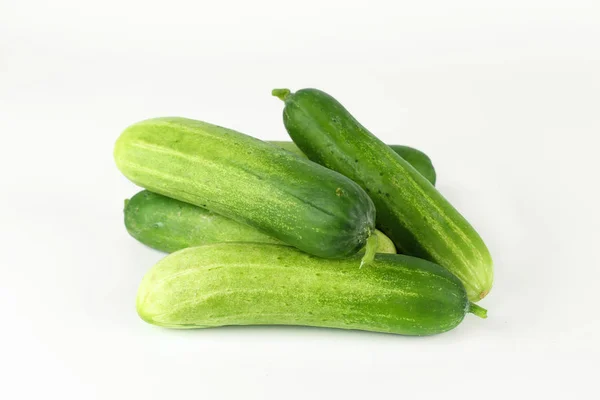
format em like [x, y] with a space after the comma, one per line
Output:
[410, 211]
[169, 225]
[285, 196]
[266, 284]
[419, 160]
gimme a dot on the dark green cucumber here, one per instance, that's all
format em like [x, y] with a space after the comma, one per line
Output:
[419, 160]
[284, 196]
[410, 211]
[266, 284]
[169, 225]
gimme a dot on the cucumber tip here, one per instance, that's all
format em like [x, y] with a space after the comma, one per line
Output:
[477, 310]
[282, 94]
[370, 250]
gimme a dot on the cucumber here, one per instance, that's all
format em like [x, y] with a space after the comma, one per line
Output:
[410, 211]
[289, 146]
[419, 160]
[169, 225]
[282, 195]
[266, 284]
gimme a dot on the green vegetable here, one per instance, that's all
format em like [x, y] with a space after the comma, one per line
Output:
[284, 196]
[410, 211]
[419, 160]
[266, 284]
[168, 225]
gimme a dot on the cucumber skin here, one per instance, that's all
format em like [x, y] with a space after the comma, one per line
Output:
[419, 160]
[169, 225]
[284, 196]
[410, 211]
[265, 284]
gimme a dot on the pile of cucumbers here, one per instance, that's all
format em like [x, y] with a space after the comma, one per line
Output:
[302, 233]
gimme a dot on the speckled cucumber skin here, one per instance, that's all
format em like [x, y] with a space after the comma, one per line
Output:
[266, 284]
[419, 160]
[250, 181]
[169, 225]
[410, 211]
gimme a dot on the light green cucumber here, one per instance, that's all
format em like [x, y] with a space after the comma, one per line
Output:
[168, 225]
[266, 284]
[250, 181]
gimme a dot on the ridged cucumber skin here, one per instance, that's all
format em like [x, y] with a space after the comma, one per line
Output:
[169, 225]
[419, 160]
[265, 284]
[410, 211]
[284, 196]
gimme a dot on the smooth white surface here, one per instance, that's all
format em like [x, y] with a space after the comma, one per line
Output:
[505, 99]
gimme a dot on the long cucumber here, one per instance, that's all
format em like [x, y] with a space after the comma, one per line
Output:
[410, 211]
[266, 284]
[250, 181]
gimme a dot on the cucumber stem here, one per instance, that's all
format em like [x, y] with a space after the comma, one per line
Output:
[126, 202]
[282, 94]
[477, 310]
[370, 250]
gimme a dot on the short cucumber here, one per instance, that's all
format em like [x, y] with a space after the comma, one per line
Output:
[419, 160]
[265, 284]
[284, 196]
[410, 211]
[168, 225]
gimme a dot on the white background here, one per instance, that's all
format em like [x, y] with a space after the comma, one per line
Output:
[504, 97]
